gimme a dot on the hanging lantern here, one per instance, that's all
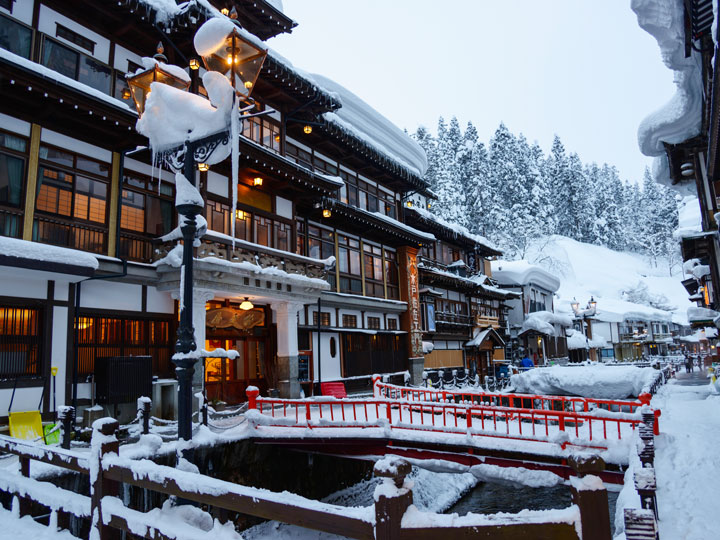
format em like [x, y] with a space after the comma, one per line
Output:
[140, 83]
[307, 129]
[194, 64]
[203, 167]
[239, 60]
[326, 213]
[257, 181]
[246, 305]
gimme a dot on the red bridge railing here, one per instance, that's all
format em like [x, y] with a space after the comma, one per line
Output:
[546, 425]
[521, 401]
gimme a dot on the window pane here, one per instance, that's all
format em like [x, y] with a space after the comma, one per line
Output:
[56, 156]
[11, 180]
[92, 166]
[15, 37]
[355, 263]
[60, 58]
[94, 74]
[133, 211]
[12, 142]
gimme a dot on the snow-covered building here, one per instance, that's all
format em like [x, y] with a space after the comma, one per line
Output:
[321, 246]
[533, 324]
[463, 312]
[684, 135]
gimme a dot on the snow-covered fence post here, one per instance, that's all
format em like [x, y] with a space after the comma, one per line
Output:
[590, 495]
[392, 497]
[24, 502]
[103, 442]
[144, 405]
[66, 417]
[252, 393]
[646, 486]
[375, 383]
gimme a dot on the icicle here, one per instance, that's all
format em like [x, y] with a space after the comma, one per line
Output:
[235, 151]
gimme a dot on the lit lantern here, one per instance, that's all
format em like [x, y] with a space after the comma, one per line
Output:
[239, 60]
[203, 167]
[246, 305]
[239, 214]
[307, 129]
[194, 64]
[126, 94]
[409, 204]
[592, 304]
[575, 305]
[140, 83]
[257, 181]
[225, 11]
[326, 213]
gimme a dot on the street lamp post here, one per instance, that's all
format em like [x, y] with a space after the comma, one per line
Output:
[586, 316]
[240, 60]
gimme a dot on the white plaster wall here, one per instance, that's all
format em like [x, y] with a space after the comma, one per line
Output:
[58, 352]
[330, 365]
[218, 184]
[374, 314]
[74, 145]
[22, 10]
[102, 294]
[159, 301]
[356, 312]
[26, 399]
[283, 207]
[333, 320]
[138, 166]
[47, 24]
[122, 55]
[62, 290]
[22, 287]
[15, 125]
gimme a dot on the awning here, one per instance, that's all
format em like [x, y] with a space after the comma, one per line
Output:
[483, 335]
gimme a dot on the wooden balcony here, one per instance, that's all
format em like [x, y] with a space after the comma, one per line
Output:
[214, 245]
[454, 319]
[70, 234]
[135, 247]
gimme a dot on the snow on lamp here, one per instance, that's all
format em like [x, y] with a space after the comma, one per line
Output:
[230, 50]
[157, 71]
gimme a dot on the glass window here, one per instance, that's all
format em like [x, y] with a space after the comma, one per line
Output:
[74, 37]
[60, 58]
[15, 37]
[54, 191]
[11, 179]
[133, 211]
[373, 323]
[56, 156]
[20, 342]
[95, 74]
[349, 321]
[90, 196]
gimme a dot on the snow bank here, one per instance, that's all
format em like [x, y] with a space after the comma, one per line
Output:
[543, 321]
[12, 247]
[689, 218]
[365, 123]
[578, 340]
[680, 119]
[608, 382]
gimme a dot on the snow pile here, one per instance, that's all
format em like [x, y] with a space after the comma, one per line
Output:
[587, 270]
[365, 123]
[680, 119]
[543, 321]
[578, 340]
[521, 272]
[186, 193]
[700, 314]
[596, 381]
[173, 116]
[689, 219]
[12, 247]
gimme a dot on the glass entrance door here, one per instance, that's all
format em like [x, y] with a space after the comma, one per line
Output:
[227, 378]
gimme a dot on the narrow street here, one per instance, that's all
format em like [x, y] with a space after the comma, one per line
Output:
[689, 437]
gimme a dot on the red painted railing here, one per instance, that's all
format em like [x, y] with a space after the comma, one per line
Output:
[521, 401]
[563, 427]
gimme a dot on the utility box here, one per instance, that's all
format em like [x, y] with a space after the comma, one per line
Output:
[122, 379]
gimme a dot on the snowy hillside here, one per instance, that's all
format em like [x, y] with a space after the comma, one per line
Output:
[587, 270]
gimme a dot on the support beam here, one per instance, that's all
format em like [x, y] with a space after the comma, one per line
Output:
[32, 174]
[286, 315]
[115, 182]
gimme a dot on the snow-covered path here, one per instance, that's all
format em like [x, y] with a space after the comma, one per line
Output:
[685, 455]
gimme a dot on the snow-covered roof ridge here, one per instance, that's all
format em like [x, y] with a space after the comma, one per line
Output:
[24, 249]
[679, 119]
[365, 123]
[523, 273]
[454, 228]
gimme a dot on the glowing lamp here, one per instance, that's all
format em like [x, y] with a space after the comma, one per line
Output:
[225, 11]
[409, 204]
[239, 214]
[194, 64]
[307, 129]
[246, 305]
[326, 213]
[140, 84]
[575, 305]
[239, 60]
[592, 303]
[126, 94]
[257, 181]
[203, 167]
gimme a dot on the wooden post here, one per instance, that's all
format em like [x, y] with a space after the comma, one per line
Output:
[24, 501]
[104, 442]
[115, 183]
[144, 405]
[590, 495]
[66, 417]
[392, 497]
[31, 185]
[375, 382]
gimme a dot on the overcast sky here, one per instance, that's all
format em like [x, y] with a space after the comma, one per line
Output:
[580, 68]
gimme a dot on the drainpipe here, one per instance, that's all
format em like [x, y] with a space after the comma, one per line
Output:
[319, 351]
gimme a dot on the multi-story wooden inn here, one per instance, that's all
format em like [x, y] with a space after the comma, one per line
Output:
[318, 224]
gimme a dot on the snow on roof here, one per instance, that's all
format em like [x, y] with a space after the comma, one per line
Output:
[57, 77]
[523, 273]
[277, 4]
[543, 321]
[457, 229]
[680, 119]
[362, 121]
[482, 335]
[400, 225]
[698, 314]
[578, 340]
[12, 247]
[689, 219]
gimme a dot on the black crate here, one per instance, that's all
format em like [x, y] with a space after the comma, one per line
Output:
[122, 379]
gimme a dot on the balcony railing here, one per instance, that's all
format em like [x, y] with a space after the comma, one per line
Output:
[456, 319]
[628, 336]
[135, 247]
[219, 246]
[66, 233]
[11, 222]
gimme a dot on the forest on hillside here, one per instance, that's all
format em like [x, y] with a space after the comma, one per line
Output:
[514, 194]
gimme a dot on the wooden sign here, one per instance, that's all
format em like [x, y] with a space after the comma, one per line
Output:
[226, 317]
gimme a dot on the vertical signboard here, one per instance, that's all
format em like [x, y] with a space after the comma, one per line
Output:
[410, 293]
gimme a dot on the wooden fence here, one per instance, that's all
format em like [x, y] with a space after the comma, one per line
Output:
[108, 515]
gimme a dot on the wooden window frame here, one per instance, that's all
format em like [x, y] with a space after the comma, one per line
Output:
[75, 38]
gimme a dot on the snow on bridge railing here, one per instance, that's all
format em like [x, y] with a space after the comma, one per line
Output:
[585, 429]
[521, 401]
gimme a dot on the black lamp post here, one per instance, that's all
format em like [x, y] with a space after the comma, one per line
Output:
[585, 315]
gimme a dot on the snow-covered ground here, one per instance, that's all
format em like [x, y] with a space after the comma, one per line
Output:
[12, 527]
[587, 270]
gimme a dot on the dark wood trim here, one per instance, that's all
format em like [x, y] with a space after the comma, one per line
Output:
[45, 266]
[29, 382]
[70, 349]
[117, 313]
[143, 299]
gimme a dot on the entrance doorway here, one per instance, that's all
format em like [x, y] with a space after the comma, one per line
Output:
[226, 379]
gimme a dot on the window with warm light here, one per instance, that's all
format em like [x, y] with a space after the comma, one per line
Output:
[20, 342]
